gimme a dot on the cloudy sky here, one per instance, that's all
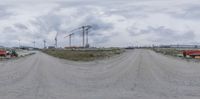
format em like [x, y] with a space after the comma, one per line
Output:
[115, 23]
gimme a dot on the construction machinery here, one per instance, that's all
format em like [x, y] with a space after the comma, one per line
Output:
[13, 53]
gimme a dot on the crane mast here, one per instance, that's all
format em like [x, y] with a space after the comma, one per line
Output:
[56, 40]
[70, 38]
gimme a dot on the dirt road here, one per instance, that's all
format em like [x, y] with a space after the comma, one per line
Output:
[138, 74]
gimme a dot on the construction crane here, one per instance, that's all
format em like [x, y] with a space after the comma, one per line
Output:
[19, 43]
[85, 31]
[34, 44]
[44, 43]
[56, 40]
[70, 38]
[72, 32]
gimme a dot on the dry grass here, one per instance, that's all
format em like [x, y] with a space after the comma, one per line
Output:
[168, 51]
[83, 55]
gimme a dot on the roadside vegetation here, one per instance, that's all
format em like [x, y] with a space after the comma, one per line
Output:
[169, 51]
[83, 55]
[175, 53]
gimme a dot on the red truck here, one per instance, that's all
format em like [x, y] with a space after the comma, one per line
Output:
[3, 53]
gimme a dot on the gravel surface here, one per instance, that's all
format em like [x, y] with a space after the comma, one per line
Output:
[138, 74]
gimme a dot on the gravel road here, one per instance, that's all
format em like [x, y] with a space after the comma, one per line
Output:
[138, 74]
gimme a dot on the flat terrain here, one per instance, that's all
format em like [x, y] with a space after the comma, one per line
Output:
[83, 55]
[137, 74]
[168, 51]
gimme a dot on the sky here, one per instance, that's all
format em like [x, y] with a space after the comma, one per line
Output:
[115, 23]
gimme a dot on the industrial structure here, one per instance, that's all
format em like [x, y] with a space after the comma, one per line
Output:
[85, 33]
[70, 38]
[44, 44]
[33, 44]
[179, 46]
[56, 40]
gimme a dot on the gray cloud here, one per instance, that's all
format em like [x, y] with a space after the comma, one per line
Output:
[10, 36]
[47, 23]
[97, 24]
[164, 34]
[20, 26]
[134, 31]
[8, 30]
[4, 13]
[187, 12]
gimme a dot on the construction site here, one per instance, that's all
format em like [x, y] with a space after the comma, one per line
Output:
[108, 49]
[86, 72]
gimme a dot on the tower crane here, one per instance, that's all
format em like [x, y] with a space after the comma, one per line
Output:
[56, 40]
[70, 38]
[34, 44]
[44, 43]
[85, 31]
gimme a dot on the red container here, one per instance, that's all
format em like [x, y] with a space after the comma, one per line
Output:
[2, 53]
[192, 53]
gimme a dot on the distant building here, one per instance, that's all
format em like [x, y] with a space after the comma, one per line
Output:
[51, 47]
[87, 46]
[26, 48]
[179, 46]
